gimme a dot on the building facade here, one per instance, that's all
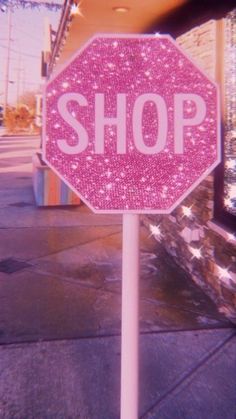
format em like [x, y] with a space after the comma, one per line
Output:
[200, 233]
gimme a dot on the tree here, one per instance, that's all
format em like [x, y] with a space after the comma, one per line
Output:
[22, 117]
[28, 98]
[19, 119]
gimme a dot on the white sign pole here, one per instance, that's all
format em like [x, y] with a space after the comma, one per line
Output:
[130, 317]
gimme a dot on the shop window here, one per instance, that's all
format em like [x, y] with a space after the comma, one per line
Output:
[225, 174]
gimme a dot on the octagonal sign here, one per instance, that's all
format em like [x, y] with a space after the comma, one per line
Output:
[131, 124]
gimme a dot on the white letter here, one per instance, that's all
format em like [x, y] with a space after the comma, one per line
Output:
[162, 123]
[181, 122]
[101, 121]
[76, 125]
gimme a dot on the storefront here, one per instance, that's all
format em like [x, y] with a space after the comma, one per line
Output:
[199, 233]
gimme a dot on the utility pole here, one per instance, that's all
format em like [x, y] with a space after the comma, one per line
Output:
[9, 28]
[18, 83]
[18, 80]
[23, 80]
[47, 47]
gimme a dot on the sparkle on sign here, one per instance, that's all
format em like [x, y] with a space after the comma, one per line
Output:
[74, 166]
[108, 173]
[111, 66]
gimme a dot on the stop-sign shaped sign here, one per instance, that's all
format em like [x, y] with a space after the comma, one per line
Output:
[131, 124]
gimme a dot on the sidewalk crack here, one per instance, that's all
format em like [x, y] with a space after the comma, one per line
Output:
[187, 375]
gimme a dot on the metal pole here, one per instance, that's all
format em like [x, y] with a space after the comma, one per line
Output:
[19, 69]
[5, 103]
[130, 317]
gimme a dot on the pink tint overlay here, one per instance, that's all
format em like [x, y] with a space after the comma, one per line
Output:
[134, 66]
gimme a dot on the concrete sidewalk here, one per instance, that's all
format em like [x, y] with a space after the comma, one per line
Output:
[60, 282]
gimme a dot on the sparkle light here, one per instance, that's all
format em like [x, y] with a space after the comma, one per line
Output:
[231, 237]
[75, 10]
[223, 272]
[155, 231]
[195, 252]
[187, 211]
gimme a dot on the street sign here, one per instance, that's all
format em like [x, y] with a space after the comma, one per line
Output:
[131, 124]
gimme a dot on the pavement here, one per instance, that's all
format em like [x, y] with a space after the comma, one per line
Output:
[60, 315]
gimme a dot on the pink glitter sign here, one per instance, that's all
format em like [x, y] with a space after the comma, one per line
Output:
[131, 124]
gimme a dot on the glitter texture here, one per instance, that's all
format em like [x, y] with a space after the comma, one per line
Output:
[135, 182]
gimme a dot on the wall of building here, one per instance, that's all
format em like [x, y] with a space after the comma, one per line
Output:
[203, 248]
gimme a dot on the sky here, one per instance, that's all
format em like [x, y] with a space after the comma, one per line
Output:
[26, 47]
